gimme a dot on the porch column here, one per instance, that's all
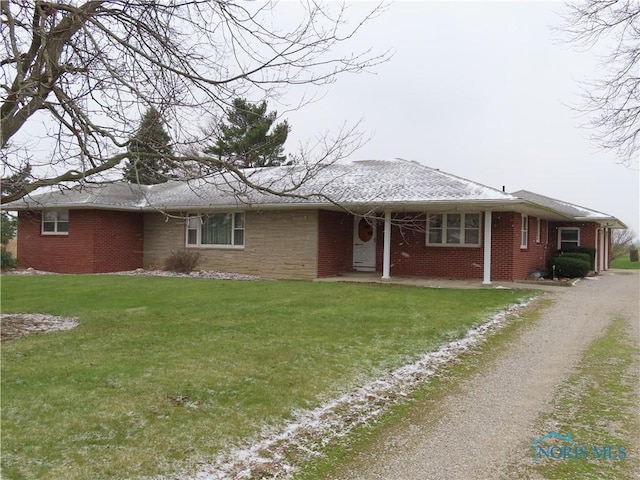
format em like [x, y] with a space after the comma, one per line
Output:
[600, 250]
[607, 232]
[386, 256]
[486, 278]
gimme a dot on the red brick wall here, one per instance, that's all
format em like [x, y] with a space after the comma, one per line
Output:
[118, 242]
[535, 256]
[505, 225]
[98, 241]
[510, 261]
[335, 243]
[411, 257]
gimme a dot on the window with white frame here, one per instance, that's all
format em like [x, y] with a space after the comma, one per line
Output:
[568, 237]
[217, 229]
[453, 229]
[539, 231]
[55, 222]
[524, 232]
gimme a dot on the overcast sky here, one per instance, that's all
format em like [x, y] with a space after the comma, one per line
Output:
[481, 90]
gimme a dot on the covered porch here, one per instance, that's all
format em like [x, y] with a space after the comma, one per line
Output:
[395, 244]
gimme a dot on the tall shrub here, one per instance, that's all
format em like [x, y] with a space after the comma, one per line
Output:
[585, 257]
[569, 267]
[590, 250]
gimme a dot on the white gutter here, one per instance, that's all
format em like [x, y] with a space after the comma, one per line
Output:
[301, 204]
[408, 206]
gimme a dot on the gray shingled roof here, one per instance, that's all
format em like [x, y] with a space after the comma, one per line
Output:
[110, 196]
[365, 184]
[373, 183]
[571, 210]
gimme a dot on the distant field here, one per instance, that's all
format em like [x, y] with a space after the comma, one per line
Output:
[625, 262]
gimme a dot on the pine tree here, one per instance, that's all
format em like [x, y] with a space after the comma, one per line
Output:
[147, 164]
[245, 140]
[9, 223]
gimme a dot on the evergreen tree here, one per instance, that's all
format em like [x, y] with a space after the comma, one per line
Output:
[8, 228]
[149, 148]
[9, 223]
[245, 140]
[8, 185]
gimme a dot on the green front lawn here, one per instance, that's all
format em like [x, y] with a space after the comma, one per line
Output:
[164, 371]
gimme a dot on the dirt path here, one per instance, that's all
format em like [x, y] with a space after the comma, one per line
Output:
[490, 422]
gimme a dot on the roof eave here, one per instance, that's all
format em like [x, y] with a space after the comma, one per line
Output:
[610, 222]
[73, 206]
[406, 206]
[399, 205]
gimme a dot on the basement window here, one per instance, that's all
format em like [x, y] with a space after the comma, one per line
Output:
[55, 223]
[216, 230]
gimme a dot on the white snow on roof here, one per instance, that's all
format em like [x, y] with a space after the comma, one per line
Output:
[565, 208]
[360, 182]
[367, 182]
[117, 195]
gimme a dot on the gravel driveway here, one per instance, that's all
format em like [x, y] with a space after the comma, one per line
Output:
[489, 422]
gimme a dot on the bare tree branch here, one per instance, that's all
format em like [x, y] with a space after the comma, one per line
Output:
[86, 71]
[612, 102]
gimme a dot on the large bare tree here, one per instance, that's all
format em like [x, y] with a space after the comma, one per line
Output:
[76, 76]
[613, 101]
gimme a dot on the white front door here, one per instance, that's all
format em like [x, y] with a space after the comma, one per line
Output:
[364, 245]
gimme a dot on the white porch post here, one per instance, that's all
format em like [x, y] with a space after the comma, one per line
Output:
[486, 278]
[607, 231]
[600, 250]
[386, 257]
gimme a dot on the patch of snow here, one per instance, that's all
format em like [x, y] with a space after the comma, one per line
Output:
[16, 325]
[27, 271]
[312, 430]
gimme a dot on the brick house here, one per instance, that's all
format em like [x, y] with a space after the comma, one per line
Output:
[393, 217]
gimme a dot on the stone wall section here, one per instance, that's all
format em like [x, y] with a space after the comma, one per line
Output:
[277, 244]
